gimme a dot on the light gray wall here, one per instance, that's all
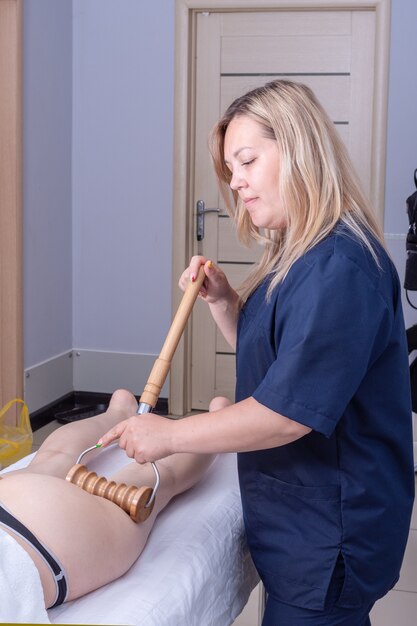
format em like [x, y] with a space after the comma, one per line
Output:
[98, 144]
[47, 181]
[401, 134]
[402, 114]
[98, 132]
[122, 173]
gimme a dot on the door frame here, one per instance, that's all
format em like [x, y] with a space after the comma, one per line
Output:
[11, 219]
[184, 114]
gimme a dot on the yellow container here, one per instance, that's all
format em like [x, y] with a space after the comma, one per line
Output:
[15, 441]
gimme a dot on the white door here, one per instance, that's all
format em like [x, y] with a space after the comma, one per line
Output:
[332, 51]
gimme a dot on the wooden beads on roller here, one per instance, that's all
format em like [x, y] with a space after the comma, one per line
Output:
[131, 499]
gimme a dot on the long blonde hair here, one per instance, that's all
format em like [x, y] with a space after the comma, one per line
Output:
[317, 183]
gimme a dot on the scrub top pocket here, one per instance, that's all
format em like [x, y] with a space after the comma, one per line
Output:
[307, 521]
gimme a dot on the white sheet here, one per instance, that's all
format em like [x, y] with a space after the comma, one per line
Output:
[195, 569]
[21, 594]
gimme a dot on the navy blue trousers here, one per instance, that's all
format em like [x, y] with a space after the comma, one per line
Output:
[280, 614]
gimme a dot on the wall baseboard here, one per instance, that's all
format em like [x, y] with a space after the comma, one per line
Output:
[103, 372]
[47, 381]
[86, 371]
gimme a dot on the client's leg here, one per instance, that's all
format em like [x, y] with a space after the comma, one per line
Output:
[219, 402]
[93, 539]
[61, 448]
[178, 472]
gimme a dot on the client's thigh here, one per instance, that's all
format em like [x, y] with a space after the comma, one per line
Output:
[94, 540]
[61, 449]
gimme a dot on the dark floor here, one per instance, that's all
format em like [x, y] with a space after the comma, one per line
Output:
[79, 405]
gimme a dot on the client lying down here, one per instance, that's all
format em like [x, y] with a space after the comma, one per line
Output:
[77, 542]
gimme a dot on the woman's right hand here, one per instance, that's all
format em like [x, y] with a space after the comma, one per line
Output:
[222, 299]
[215, 287]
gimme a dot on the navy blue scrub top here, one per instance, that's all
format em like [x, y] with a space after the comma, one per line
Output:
[329, 350]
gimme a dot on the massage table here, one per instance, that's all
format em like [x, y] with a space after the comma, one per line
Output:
[195, 569]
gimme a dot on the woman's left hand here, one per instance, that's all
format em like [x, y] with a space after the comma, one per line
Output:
[145, 437]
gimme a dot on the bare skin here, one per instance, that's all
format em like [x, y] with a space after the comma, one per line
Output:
[94, 539]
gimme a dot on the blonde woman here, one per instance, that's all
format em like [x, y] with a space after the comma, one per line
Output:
[322, 416]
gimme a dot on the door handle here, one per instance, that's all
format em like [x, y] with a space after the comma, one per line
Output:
[201, 211]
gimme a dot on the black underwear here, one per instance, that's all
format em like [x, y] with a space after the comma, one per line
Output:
[9, 521]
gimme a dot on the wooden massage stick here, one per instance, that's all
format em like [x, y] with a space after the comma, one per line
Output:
[138, 501]
[131, 499]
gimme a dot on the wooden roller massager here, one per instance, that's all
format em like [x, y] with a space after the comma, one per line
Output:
[138, 501]
[133, 500]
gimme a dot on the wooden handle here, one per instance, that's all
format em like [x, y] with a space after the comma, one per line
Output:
[162, 364]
